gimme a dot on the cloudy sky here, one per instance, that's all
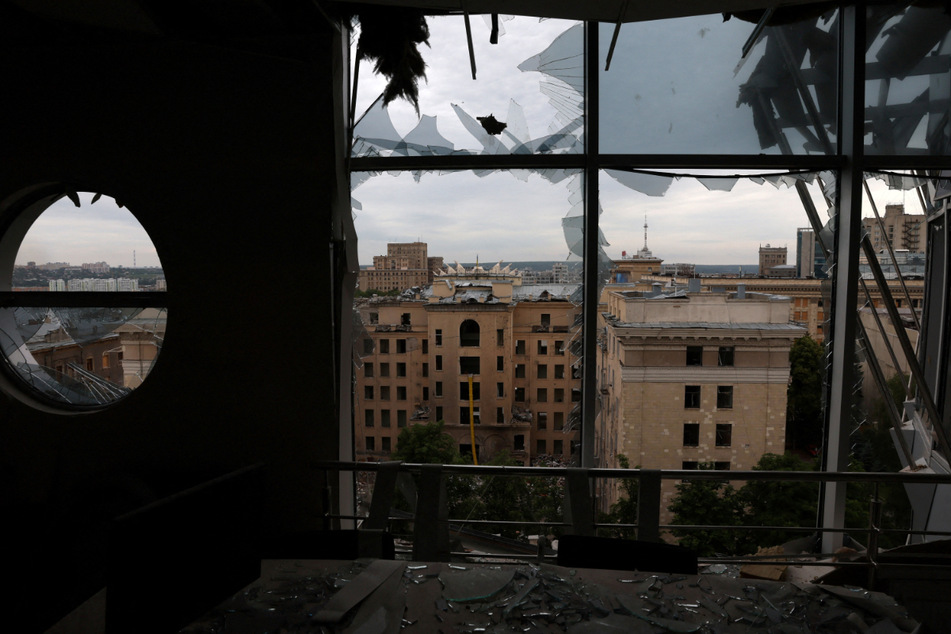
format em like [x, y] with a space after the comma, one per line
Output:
[672, 87]
[655, 98]
[100, 232]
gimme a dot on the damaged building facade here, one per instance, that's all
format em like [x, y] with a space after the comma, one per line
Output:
[693, 379]
[226, 129]
[513, 340]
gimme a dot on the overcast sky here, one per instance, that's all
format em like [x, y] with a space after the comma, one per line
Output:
[650, 103]
[100, 232]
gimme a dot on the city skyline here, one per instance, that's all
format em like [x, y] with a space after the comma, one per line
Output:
[94, 232]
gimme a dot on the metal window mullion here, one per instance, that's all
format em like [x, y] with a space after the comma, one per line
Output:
[845, 286]
[591, 248]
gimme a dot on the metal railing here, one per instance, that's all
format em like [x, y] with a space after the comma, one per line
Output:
[423, 486]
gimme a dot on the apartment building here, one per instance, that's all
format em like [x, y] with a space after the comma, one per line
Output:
[692, 378]
[405, 265]
[511, 340]
[901, 230]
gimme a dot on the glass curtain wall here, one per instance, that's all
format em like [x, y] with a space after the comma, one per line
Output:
[746, 145]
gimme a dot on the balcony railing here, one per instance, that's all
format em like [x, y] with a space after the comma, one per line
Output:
[431, 525]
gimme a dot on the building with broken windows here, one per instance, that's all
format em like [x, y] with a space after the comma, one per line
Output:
[693, 378]
[229, 129]
[419, 351]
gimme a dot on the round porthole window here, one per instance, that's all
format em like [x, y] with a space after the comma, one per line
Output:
[82, 319]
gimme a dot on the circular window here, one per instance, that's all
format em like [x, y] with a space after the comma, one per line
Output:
[83, 318]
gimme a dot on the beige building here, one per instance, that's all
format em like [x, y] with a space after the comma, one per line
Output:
[770, 258]
[405, 265]
[809, 296]
[903, 231]
[693, 378]
[513, 341]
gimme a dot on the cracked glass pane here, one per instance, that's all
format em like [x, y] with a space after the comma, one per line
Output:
[907, 84]
[682, 86]
[526, 98]
[711, 272]
[81, 247]
[469, 276]
[82, 356]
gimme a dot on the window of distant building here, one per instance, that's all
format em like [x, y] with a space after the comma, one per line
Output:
[464, 390]
[542, 347]
[725, 356]
[558, 447]
[541, 395]
[540, 446]
[689, 465]
[546, 321]
[400, 393]
[723, 465]
[438, 362]
[559, 395]
[519, 443]
[519, 346]
[724, 434]
[400, 346]
[384, 392]
[470, 365]
[519, 370]
[500, 364]
[691, 396]
[368, 418]
[384, 369]
[368, 392]
[691, 434]
[370, 443]
[438, 337]
[542, 418]
[559, 371]
[469, 333]
[499, 415]
[121, 304]
[464, 416]
[384, 346]
[400, 369]
[694, 355]
[368, 369]
[559, 348]
[384, 418]
[438, 388]
[519, 394]
[724, 396]
[500, 337]
[542, 371]
[385, 444]
[401, 418]
[558, 421]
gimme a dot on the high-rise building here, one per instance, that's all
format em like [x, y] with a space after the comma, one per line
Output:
[903, 231]
[810, 259]
[405, 265]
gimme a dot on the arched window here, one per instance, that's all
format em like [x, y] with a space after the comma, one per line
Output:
[469, 333]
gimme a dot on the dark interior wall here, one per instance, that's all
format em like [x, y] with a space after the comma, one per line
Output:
[226, 158]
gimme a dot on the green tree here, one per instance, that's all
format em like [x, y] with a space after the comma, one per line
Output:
[710, 502]
[804, 419]
[772, 503]
[427, 443]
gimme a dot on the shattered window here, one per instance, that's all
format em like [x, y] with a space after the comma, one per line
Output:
[906, 79]
[525, 98]
[85, 322]
[684, 86]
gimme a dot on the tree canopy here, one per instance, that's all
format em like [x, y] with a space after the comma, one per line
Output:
[804, 417]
